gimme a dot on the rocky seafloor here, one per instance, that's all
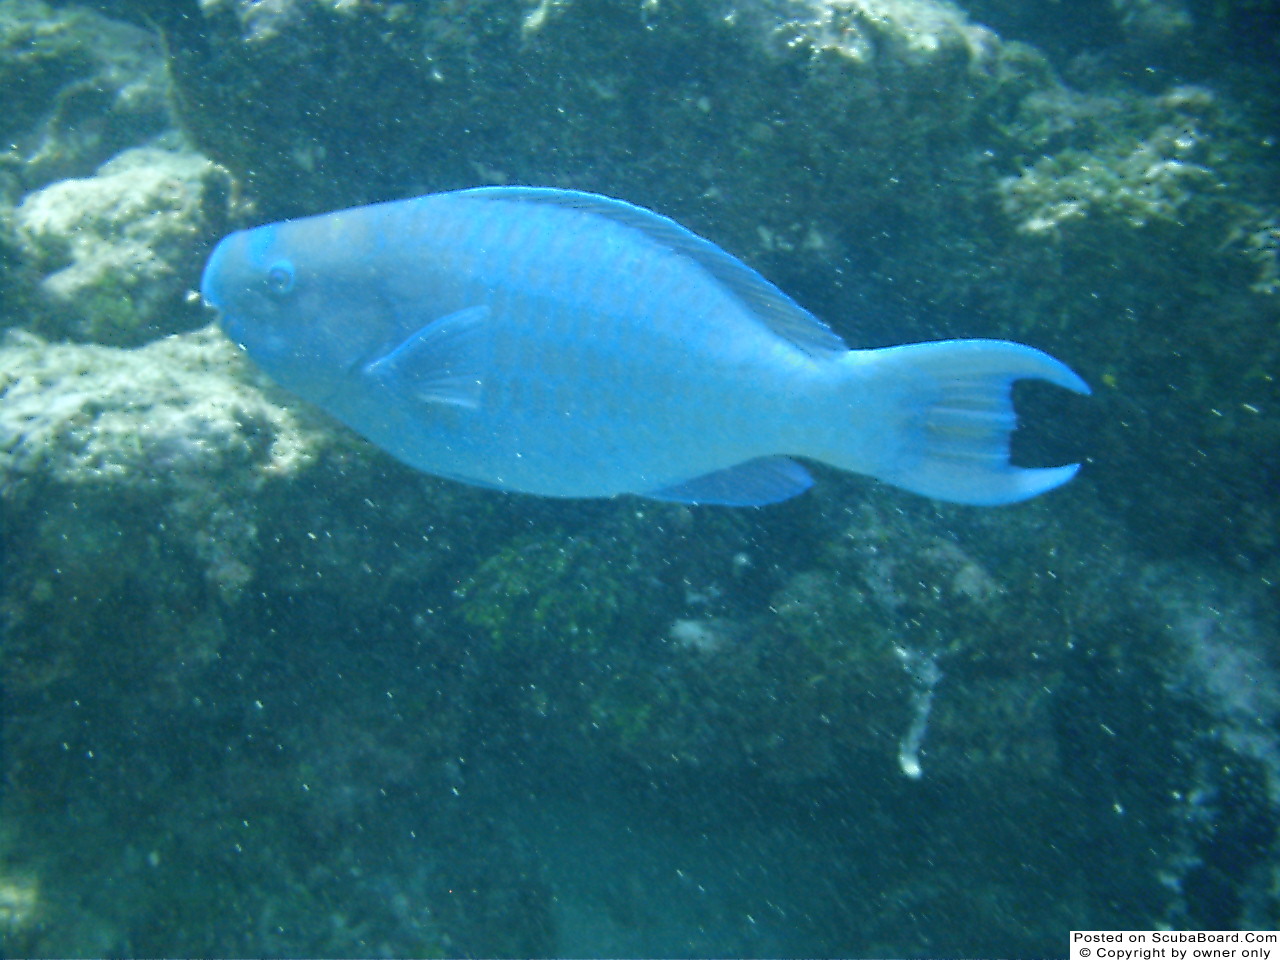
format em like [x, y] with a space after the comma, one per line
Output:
[267, 691]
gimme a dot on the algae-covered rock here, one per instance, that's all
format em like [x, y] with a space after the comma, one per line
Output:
[263, 21]
[553, 592]
[863, 660]
[679, 104]
[1154, 172]
[889, 34]
[120, 251]
[155, 505]
[1146, 212]
[79, 88]
[177, 410]
[906, 168]
[100, 443]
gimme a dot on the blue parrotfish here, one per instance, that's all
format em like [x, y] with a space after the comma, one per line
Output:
[567, 344]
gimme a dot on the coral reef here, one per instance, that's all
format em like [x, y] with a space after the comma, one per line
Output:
[919, 34]
[1147, 204]
[1152, 180]
[264, 20]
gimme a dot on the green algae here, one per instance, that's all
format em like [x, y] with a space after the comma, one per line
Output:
[547, 590]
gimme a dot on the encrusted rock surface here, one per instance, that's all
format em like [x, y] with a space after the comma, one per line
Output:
[79, 88]
[118, 252]
[177, 409]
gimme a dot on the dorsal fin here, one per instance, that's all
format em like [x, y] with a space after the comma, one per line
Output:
[770, 305]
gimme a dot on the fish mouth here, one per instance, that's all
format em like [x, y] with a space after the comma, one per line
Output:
[212, 292]
[211, 280]
[210, 298]
[207, 277]
[233, 328]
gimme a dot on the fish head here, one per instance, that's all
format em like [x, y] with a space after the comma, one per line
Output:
[299, 298]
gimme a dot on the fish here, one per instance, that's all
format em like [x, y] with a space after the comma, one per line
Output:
[567, 344]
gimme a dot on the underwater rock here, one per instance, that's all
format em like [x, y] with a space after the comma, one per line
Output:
[173, 412]
[706, 635]
[722, 98]
[879, 158]
[97, 443]
[264, 20]
[118, 250]
[151, 507]
[1146, 212]
[79, 88]
[893, 650]
[19, 902]
[919, 33]
[243, 651]
[1154, 22]
[1151, 174]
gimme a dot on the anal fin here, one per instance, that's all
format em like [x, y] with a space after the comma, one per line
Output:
[751, 484]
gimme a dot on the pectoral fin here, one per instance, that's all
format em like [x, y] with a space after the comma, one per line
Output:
[444, 362]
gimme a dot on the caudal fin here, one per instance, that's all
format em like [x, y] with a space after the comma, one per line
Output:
[948, 416]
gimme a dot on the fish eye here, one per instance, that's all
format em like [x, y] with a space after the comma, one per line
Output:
[280, 278]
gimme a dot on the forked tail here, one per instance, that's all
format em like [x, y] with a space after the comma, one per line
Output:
[946, 415]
